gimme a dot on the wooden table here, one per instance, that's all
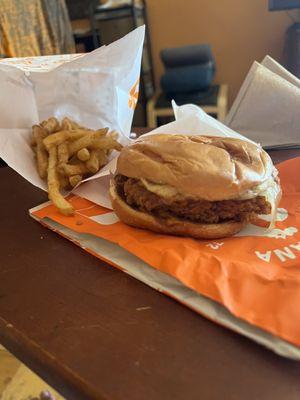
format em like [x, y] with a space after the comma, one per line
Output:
[93, 332]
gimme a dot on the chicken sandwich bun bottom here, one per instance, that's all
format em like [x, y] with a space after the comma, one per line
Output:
[198, 186]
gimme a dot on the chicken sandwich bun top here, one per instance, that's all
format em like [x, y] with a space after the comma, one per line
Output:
[199, 186]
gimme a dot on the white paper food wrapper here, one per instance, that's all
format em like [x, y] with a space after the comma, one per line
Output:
[98, 89]
[189, 120]
[267, 108]
[108, 73]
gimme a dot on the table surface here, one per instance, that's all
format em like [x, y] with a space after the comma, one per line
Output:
[94, 332]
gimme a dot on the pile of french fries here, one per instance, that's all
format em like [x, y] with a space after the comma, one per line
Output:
[67, 152]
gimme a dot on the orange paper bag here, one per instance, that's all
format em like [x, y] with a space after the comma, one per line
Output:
[255, 275]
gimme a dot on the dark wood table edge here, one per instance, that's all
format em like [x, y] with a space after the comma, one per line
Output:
[59, 376]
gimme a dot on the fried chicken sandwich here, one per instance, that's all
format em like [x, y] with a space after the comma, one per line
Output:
[198, 186]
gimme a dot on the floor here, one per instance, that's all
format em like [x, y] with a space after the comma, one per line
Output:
[17, 382]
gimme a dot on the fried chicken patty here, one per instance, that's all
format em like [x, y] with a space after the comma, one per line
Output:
[202, 211]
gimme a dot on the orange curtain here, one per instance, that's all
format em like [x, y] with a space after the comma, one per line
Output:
[34, 28]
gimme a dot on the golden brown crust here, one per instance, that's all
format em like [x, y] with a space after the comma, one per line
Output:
[172, 226]
[210, 168]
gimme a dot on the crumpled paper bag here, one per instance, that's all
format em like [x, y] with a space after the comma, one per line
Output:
[189, 119]
[267, 107]
[249, 284]
[98, 89]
